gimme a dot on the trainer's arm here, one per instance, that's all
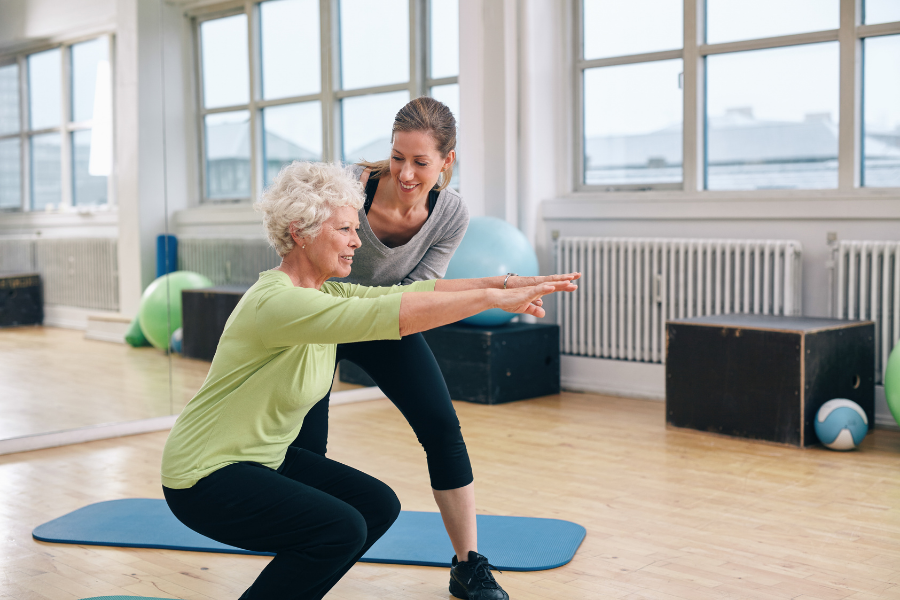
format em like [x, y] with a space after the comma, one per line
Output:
[421, 311]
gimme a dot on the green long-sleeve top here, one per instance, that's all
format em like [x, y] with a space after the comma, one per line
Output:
[275, 359]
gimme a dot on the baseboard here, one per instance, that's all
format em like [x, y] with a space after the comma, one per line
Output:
[107, 327]
[85, 434]
[71, 317]
[648, 381]
[613, 377]
[114, 430]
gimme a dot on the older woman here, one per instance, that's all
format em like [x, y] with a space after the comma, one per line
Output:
[228, 469]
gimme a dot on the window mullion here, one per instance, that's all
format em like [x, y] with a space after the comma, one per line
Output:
[418, 47]
[849, 138]
[330, 56]
[256, 134]
[25, 144]
[578, 40]
[66, 172]
[693, 98]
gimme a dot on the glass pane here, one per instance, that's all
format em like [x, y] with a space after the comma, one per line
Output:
[88, 189]
[226, 70]
[732, 20]
[449, 95]
[228, 155]
[616, 28]
[9, 99]
[290, 48]
[374, 43]
[367, 124]
[881, 11]
[772, 118]
[44, 89]
[443, 29]
[86, 59]
[46, 178]
[10, 174]
[292, 132]
[881, 112]
[632, 123]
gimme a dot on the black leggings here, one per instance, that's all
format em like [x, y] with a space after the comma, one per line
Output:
[409, 376]
[317, 515]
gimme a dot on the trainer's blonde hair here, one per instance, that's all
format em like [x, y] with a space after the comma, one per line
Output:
[430, 116]
[302, 197]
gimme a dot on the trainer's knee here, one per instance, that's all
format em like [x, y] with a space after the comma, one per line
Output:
[386, 508]
[347, 536]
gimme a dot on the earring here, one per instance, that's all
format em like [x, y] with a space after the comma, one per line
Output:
[303, 246]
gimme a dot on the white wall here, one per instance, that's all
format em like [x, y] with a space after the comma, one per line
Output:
[31, 22]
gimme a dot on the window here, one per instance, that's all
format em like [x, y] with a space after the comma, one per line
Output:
[56, 128]
[630, 76]
[270, 95]
[738, 95]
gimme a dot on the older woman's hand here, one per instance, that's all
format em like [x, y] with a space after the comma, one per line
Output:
[527, 299]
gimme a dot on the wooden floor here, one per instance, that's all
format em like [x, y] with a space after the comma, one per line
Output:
[54, 379]
[669, 513]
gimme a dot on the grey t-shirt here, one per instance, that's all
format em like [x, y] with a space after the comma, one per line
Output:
[425, 256]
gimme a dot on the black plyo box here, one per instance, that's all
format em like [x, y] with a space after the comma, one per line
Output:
[765, 377]
[21, 299]
[204, 312]
[490, 365]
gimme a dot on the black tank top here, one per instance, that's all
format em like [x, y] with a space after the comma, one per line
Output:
[372, 185]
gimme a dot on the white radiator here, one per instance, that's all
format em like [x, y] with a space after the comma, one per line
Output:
[80, 272]
[630, 287]
[866, 285]
[77, 272]
[227, 261]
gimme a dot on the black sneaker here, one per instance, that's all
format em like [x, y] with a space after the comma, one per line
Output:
[472, 579]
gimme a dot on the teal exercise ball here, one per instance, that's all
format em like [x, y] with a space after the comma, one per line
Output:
[160, 308]
[892, 383]
[492, 247]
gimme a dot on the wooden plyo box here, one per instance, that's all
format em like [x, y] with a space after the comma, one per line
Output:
[489, 365]
[204, 312]
[21, 299]
[765, 377]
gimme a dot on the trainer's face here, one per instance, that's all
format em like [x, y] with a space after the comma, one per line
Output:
[416, 164]
[331, 252]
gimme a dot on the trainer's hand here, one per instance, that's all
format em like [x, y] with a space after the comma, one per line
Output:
[527, 300]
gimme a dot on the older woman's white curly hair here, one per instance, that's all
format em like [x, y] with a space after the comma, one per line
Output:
[303, 196]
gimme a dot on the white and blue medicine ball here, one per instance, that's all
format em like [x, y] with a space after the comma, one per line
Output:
[176, 341]
[841, 424]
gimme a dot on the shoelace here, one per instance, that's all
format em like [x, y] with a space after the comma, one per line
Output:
[482, 571]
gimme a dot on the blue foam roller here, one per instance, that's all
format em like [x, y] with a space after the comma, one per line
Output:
[416, 538]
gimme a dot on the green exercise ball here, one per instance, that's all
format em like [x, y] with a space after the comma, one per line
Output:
[892, 383]
[160, 309]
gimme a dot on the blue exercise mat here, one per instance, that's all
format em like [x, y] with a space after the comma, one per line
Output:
[416, 538]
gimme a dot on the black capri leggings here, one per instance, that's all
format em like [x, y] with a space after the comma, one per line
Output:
[317, 515]
[409, 376]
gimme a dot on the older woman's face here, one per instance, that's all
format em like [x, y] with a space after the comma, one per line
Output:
[416, 164]
[331, 252]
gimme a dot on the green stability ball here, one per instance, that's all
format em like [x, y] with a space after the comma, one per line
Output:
[892, 383]
[160, 310]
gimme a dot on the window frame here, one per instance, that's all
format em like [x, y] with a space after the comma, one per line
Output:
[66, 126]
[849, 35]
[330, 94]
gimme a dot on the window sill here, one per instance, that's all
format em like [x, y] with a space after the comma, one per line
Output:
[102, 222]
[862, 204]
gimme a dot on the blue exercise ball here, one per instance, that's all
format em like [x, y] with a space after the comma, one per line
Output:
[492, 247]
[175, 342]
[841, 424]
